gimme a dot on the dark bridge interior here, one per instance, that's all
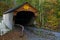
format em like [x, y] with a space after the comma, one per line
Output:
[24, 17]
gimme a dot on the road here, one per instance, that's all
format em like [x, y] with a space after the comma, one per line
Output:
[16, 34]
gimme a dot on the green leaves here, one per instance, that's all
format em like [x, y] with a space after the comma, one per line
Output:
[51, 12]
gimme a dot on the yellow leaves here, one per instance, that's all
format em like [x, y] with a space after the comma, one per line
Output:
[52, 22]
[50, 26]
[51, 17]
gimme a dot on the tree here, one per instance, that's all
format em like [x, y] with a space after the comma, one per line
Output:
[3, 7]
[51, 11]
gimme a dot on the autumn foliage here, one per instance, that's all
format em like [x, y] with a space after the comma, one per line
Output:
[3, 7]
[51, 11]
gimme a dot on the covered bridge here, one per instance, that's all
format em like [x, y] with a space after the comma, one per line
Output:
[23, 14]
